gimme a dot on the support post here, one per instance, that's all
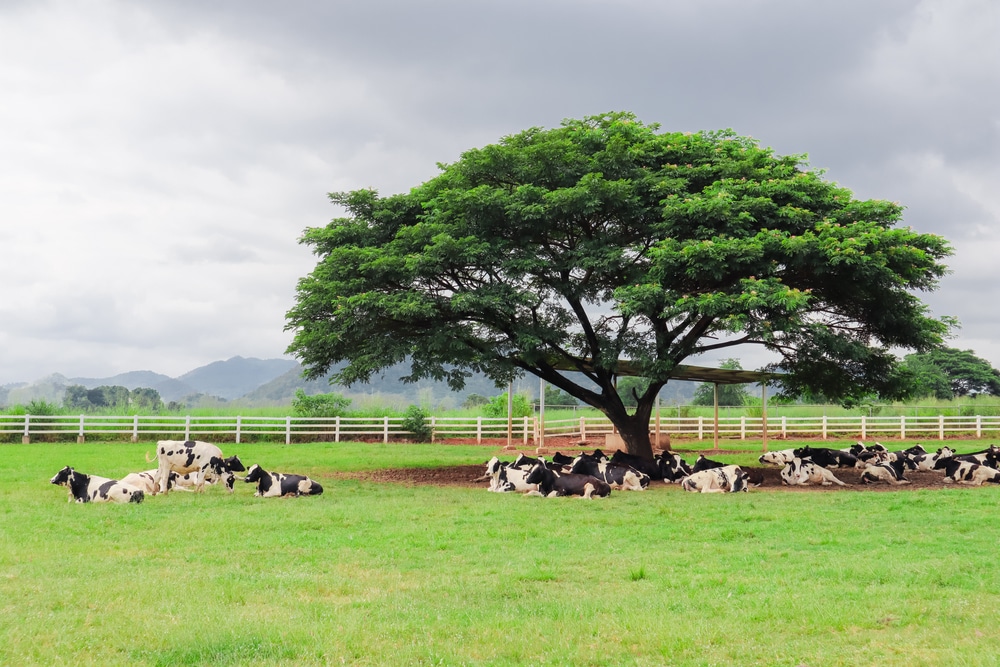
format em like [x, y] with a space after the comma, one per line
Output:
[510, 415]
[541, 414]
[715, 397]
[763, 414]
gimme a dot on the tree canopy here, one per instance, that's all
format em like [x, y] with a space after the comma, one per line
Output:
[729, 394]
[606, 239]
[948, 372]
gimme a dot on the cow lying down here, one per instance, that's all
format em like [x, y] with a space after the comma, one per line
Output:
[275, 484]
[726, 479]
[93, 489]
[801, 472]
[146, 480]
[551, 483]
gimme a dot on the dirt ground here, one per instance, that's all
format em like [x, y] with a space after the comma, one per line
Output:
[467, 475]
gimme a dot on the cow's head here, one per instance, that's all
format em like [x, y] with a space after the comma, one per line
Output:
[233, 464]
[63, 477]
[777, 458]
[254, 473]
[740, 482]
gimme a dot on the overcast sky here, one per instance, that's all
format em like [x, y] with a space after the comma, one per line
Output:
[159, 160]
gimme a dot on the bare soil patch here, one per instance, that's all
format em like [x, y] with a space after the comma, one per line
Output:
[467, 475]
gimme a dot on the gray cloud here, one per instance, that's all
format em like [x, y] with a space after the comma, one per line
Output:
[166, 156]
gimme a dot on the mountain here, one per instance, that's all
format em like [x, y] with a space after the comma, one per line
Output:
[387, 388]
[235, 377]
[227, 380]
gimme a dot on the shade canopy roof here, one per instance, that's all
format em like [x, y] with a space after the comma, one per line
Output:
[690, 373]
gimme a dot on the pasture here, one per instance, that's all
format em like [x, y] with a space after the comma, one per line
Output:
[394, 574]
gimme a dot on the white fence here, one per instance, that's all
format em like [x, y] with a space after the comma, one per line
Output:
[522, 430]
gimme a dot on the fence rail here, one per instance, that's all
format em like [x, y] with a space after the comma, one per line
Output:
[524, 430]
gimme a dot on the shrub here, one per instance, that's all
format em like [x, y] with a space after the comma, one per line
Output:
[415, 421]
[497, 407]
[319, 405]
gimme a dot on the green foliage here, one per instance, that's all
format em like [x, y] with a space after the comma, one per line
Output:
[606, 239]
[948, 372]
[556, 396]
[41, 407]
[629, 387]
[416, 422]
[729, 394]
[115, 398]
[497, 407]
[319, 405]
[474, 401]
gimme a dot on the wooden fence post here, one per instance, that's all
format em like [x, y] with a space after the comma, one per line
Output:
[79, 436]
[135, 427]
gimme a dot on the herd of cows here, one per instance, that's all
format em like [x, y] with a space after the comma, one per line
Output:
[192, 464]
[183, 465]
[595, 474]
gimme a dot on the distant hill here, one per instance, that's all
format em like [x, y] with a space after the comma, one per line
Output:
[236, 377]
[386, 388]
[227, 380]
[255, 382]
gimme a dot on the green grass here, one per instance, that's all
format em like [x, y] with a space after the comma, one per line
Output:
[371, 574]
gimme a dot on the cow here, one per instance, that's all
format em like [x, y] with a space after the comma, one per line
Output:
[144, 480]
[927, 461]
[504, 478]
[777, 458]
[550, 483]
[967, 472]
[618, 475]
[703, 463]
[672, 467]
[275, 484]
[731, 479]
[194, 456]
[987, 457]
[651, 467]
[866, 454]
[93, 489]
[522, 461]
[826, 457]
[802, 472]
[561, 459]
[890, 472]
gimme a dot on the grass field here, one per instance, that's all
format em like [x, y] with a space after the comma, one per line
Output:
[385, 574]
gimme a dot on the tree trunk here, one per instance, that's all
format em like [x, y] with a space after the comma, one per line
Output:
[635, 433]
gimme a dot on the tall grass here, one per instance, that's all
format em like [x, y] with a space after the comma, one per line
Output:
[385, 574]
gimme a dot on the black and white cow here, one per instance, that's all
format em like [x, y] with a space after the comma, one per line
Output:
[704, 463]
[672, 467]
[890, 472]
[828, 458]
[561, 459]
[551, 483]
[276, 484]
[203, 459]
[802, 472]
[652, 467]
[618, 475]
[967, 472]
[927, 461]
[988, 457]
[724, 479]
[780, 457]
[146, 479]
[93, 489]
[504, 478]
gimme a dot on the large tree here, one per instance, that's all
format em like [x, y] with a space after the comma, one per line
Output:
[574, 248]
[948, 372]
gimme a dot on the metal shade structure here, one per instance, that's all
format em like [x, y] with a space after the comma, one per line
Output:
[716, 376]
